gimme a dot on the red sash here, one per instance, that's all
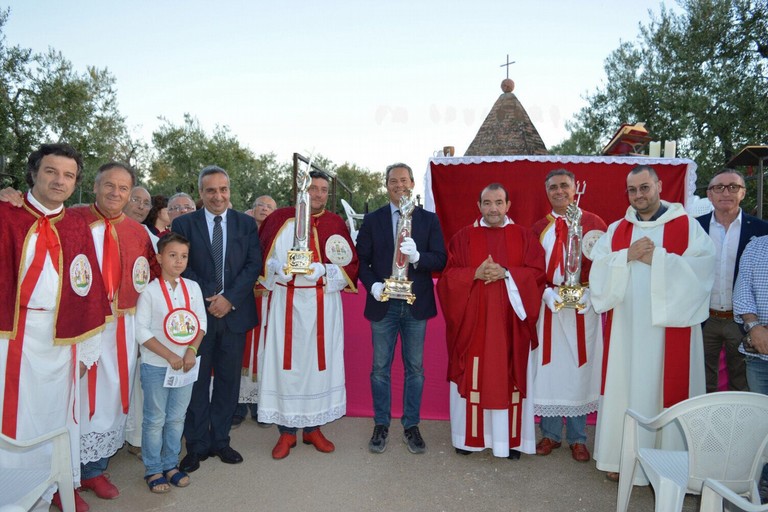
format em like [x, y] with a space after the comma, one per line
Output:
[252, 342]
[288, 347]
[111, 272]
[47, 243]
[677, 340]
[556, 262]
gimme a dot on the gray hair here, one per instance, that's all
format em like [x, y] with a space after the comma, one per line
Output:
[207, 171]
[560, 172]
[728, 170]
[178, 195]
[396, 166]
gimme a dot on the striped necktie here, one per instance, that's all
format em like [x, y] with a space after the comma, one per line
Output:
[218, 253]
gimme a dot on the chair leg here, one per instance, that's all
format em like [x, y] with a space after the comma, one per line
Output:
[669, 496]
[626, 479]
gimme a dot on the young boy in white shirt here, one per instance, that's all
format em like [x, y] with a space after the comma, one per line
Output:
[170, 325]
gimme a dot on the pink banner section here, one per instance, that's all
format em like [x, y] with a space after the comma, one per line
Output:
[358, 355]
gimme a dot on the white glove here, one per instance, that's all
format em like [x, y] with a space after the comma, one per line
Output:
[318, 271]
[587, 301]
[274, 266]
[376, 290]
[408, 247]
[551, 298]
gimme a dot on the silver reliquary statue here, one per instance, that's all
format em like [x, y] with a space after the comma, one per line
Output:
[300, 256]
[398, 286]
[571, 291]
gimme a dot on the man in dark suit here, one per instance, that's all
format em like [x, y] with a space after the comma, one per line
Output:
[225, 260]
[425, 251]
[731, 230]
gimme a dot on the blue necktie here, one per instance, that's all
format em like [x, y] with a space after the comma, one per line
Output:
[218, 253]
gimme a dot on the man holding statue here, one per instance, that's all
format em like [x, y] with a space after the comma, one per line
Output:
[567, 382]
[309, 259]
[399, 303]
[490, 292]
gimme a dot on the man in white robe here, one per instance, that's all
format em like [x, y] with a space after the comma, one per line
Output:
[301, 373]
[49, 270]
[654, 270]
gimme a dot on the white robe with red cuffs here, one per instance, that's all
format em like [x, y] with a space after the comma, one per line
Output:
[672, 292]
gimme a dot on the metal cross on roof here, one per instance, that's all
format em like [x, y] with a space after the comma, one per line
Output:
[507, 65]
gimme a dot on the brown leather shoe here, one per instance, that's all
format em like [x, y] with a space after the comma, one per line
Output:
[546, 445]
[318, 440]
[613, 477]
[579, 452]
[283, 446]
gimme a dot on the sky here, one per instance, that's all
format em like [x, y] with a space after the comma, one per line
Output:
[370, 83]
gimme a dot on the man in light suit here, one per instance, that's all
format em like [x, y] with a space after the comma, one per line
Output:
[731, 229]
[425, 251]
[231, 313]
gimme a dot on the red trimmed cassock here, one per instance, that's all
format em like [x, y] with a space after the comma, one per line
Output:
[301, 376]
[569, 358]
[653, 355]
[127, 262]
[490, 330]
[52, 309]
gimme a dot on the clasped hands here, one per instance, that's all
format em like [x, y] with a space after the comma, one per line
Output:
[641, 250]
[490, 271]
[219, 305]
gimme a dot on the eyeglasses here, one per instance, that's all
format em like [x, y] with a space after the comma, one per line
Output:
[141, 202]
[184, 209]
[265, 205]
[642, 189]
[732, 188]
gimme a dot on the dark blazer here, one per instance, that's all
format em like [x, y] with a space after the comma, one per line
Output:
[751, 227]
[376, 248]
[242, 265]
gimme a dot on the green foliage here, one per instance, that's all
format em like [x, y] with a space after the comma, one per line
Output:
[43, 99]
[183, 150]
[697, 74]
[360, 188]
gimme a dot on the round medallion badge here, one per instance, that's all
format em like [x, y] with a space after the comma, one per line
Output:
[140, 273]
[338, 251]
[81, 275]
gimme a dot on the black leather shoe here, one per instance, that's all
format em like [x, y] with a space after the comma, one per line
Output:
[462, 452]
[228, 455]
[191, 462]
[514, 455]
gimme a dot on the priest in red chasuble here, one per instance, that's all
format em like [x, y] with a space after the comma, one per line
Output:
[490, 292]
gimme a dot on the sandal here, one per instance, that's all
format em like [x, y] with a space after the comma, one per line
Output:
[155, 484]
[177, 478]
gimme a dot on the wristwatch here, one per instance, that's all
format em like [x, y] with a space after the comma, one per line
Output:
[749, 325]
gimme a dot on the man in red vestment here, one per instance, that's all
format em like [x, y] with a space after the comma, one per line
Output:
[48, 269]
[490, 292]
[301, 374]
[127, 262]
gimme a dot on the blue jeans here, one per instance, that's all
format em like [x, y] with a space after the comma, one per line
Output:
[293, 430]
[164, 412]
[397, 320]
[757, 374]
[93, 469]
[575, 428]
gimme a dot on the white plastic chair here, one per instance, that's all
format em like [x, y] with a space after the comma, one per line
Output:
[726, 435]
[24, 487]
[351, 218]
[714, 492]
